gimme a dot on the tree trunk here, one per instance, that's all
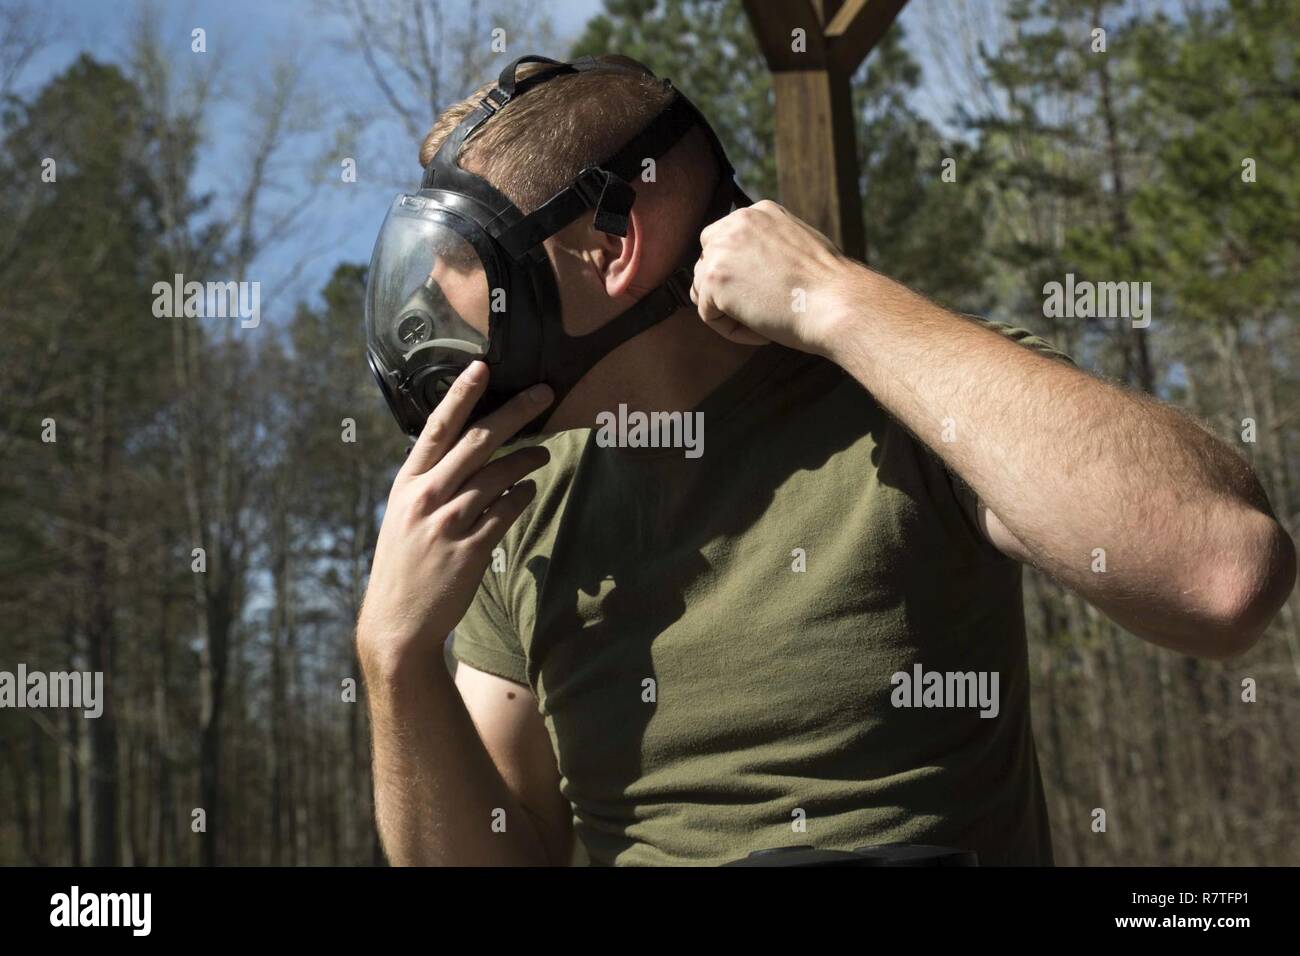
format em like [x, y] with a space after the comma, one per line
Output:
[1137, 358]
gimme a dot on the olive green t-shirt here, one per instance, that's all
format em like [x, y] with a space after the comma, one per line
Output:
[713, 641]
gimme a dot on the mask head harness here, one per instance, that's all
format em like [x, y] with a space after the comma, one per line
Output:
[459, 272]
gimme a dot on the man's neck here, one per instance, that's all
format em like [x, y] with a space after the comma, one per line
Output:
[669, 367]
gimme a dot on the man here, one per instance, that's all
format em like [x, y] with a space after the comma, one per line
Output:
[810, 634]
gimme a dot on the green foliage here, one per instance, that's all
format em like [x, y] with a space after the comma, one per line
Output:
[707, 49]
[922, 230]
[1224, 248]
[76, 274]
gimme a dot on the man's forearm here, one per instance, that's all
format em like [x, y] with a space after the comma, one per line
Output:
[437, 791]
[1071, 464]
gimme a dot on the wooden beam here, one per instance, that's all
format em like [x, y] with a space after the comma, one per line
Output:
[816, 148]
[856, 28]
[816, 155]
[774, 23]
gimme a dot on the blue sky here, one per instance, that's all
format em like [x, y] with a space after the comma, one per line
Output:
[244, 37]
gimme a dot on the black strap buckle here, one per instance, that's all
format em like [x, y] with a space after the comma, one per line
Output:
[590, 184]
[610, 196]
[494, 100]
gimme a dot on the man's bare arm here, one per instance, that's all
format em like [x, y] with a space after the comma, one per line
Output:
[508, 721]
[437, 791]
[1067, 464]
[453, 759]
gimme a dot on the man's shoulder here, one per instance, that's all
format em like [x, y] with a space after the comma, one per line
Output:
[566, 448]
[553, 482]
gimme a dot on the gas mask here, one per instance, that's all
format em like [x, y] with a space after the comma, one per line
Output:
[459, 273]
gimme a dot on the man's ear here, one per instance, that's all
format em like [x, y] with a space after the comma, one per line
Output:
[620, 257]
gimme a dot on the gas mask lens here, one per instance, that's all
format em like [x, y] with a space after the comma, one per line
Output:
[427, 289]
[427, 307]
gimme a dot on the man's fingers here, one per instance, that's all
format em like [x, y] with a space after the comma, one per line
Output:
[705, 285]
[713, 228]
[714, 317]
[708, 309]
[701, 294]
[734, 331]
[477, 494]
[446, 420]
[504, 512]
[485, 436]
[722, 323]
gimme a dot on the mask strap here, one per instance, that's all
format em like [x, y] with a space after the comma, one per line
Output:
[571, 360]
[571, 357]
[604, 187]
[507, 88]
[510, 86]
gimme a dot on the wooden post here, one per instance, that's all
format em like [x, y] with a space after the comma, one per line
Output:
[816, 155]
[816, 146]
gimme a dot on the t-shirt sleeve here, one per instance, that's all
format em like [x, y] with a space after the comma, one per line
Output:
[486, 639]
[1024, 337]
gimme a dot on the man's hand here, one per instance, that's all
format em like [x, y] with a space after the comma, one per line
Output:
[767, 276]
[437, 784]
[448, 508]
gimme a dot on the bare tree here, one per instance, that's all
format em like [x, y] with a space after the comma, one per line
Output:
[217, 436]
[23, 34]
[423, 55]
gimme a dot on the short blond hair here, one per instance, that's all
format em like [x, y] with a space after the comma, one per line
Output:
[539, 142]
